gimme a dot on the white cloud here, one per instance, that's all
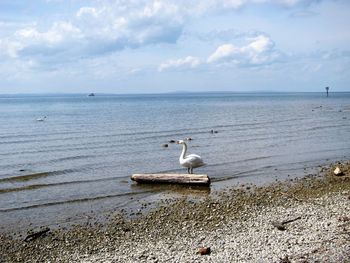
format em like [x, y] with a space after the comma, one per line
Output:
[286, 3]
[9, 48]
[259, 50]
[90, 11]
[30, 43]
[159, 8]
[188, 62]
[261, 44]
[95, 30]
[105, 26]
[289, 2]
[225, 4]
[223, 52]
[312, 67]
[136, 18]
[59, 32]
[233, 3]
[203, 7]
[217, 5]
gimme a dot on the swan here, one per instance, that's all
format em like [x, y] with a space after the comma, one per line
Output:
[41, 119]
[190, 161]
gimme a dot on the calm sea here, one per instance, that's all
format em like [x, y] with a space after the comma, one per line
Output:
[81, 157]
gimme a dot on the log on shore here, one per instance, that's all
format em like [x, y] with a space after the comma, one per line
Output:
[192, 179]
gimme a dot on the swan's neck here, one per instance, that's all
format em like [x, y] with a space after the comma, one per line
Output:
[184, 150]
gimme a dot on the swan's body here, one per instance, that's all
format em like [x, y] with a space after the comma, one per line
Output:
[41, 119]
[190, 161]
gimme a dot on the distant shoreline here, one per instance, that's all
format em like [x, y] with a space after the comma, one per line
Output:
[168, 93]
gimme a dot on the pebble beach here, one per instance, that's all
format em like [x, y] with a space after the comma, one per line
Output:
[303, 220]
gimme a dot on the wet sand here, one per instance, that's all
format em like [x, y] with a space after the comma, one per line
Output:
[238, 224]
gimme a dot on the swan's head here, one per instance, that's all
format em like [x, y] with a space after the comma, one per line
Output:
[180, 142]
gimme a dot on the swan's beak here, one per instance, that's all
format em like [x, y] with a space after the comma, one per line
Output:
[177, 142]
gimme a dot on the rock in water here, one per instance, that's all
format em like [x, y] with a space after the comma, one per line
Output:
[338, 172]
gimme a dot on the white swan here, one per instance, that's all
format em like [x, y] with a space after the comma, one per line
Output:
[190, 161]
[41, 119]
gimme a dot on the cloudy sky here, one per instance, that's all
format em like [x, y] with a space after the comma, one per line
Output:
[136, 46]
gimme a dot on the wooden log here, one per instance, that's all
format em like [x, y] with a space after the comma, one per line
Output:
[192, 179]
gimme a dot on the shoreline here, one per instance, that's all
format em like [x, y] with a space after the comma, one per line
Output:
[235, 223]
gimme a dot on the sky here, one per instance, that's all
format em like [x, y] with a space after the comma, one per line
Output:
[153, 46]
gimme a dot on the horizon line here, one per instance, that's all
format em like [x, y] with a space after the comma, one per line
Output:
[163, 93]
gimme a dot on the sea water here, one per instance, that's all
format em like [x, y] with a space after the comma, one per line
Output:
[81, 157]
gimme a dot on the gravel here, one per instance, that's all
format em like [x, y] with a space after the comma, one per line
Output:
[235, 224]
[319, 236]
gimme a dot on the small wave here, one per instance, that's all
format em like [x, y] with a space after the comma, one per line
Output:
[77, 157]
[87, 199]
[38, 186]
[326, 127]
[240, 161]
[246, 173]
[27, 177]
[10, 136]
[259, 123]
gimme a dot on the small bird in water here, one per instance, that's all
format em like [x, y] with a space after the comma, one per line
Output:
[190, 161]
[41, 119]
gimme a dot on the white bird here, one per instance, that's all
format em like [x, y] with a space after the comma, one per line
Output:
[41, 119]
[190, 161]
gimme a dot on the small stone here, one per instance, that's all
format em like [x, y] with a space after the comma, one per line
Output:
[344, 218]
[338, 172]
[279, 226]
[285, 260]
[204, 250]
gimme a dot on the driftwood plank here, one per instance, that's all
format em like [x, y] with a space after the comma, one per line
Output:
[193, 179]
